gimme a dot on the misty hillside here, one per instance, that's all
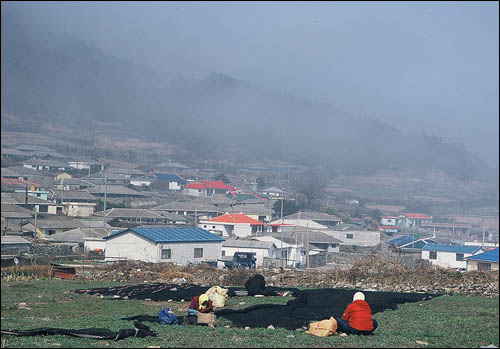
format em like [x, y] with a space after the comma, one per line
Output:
[55, 78]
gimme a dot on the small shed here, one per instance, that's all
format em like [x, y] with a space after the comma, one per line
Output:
[13, 245]
[483, 261]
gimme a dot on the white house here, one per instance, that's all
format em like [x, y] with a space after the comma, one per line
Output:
[175, 245]
[413, 220]
[272, 192]
[261, 249]
[86, 165]
[232, 224]
[388, 220]
[141, 181]
[355, 237]
[448, 256]
[312, 220]
[483, 261]
[293, 254]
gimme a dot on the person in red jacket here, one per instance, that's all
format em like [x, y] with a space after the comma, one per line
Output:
[357, 317]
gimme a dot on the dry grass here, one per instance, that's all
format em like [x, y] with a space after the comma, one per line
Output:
[26, 273]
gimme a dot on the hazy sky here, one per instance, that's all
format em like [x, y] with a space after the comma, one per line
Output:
[419, 66]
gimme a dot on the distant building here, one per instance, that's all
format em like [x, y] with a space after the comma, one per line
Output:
[207, 188]
[448, 256]
[413, 220]
[232, 225]
[483, 261]
[175, 245]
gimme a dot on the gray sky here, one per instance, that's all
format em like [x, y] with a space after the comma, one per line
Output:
[419, 66]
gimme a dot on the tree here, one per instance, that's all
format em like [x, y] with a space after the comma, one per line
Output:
[289, 207]
[222, 177]
[132, 156]
[311, 184]
[261, 183]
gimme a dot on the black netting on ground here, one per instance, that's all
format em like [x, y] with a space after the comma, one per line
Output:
[314, 305]
[309, 305]
[162, 291]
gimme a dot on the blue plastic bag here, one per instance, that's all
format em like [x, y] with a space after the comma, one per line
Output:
[167, 317]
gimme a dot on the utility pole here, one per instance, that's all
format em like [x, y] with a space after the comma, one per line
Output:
[484, 230]
[105, 199]
[209, 175]
[282, 224]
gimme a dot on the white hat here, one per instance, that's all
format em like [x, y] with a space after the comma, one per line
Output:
[358, 296]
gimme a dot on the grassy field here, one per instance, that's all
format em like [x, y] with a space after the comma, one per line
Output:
[447, 321]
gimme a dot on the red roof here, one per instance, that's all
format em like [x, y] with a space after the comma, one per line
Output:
[235, 218]
[416, 215]
[20, 181]
[209, 184]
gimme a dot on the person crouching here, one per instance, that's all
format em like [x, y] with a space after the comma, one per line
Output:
[357, 317]
[199, 304]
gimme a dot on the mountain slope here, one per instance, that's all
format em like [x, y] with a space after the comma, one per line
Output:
[61, 79]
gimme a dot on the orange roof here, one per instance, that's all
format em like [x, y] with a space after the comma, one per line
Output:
[416, 215]
[20, 181]
[235, 218]
[208, 184]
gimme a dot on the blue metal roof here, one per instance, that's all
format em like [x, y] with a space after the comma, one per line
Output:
[171, 234]
[170, 177]
[488, 256]
[451, 248]
[400, 240]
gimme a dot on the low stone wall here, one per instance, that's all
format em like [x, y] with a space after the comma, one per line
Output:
[371, 274]
[51, 250]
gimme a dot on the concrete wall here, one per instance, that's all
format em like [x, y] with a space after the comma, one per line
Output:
[242, 230]
[91, 244]
[446, 259]
[183, 253]
[174, 186]
[79, 209]
[131, 246]
[359, 237]
[226, 230]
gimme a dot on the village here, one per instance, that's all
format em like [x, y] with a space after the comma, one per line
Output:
[58, 207]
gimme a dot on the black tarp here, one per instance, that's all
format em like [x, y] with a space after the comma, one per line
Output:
[140, 330]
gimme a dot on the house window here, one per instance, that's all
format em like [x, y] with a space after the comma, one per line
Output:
[483, 266]
[213, 226]
[223, 253]
[166, 253]
[432, 255]
[198, 253]
[460, 257]
[349, 236]
[45, 209]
